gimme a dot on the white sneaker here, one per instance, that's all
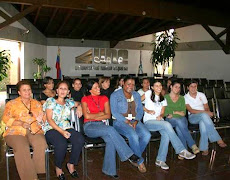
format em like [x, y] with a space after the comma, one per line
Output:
[162, 164]
[186, 154]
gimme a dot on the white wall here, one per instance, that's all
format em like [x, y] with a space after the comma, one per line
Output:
[68, 55]
[212, 64]
[32, 51]
[202, 64]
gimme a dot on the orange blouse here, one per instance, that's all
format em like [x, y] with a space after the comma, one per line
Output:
[16, 110]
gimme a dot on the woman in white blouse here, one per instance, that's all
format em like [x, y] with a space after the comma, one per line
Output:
[153, 120]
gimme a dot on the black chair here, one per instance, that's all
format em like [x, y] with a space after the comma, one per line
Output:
[227, 94]
[220, 83]
[223, 112]
[209, 92]
[203, 81]
[227, 86]
[99, 75]
[219, 93]
[89, 144]
[85, 75]
[200, 88]
[211, 83]
[13, 96]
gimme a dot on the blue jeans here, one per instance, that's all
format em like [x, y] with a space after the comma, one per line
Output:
[181, 125]
[207, 129]
[138, 138]
[114, 142]
[167, 134]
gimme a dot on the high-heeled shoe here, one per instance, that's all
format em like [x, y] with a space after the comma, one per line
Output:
[61, 176]
[74, 174]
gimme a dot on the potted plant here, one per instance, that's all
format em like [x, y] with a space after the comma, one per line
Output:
[42, 68]
[4, 64]
[4, 67]
[164, 49]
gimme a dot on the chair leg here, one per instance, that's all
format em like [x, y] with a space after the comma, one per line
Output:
[47, 164]
[86, 163]
[83, 160]
[7, 167]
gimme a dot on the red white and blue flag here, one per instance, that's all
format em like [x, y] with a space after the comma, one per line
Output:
[58, 64]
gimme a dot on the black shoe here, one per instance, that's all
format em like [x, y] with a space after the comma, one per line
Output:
[61, 176]
[112, 176]
[134, 159]
[74, 174]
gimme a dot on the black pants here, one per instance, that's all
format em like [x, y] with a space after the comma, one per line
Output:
[60, 145]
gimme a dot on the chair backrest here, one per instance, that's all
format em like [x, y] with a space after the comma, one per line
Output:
[209, 92]
[220, 83]
[203, 81]
[227, 94]
[212, 106]
[219, 93]
[223, 111]
[211, 83]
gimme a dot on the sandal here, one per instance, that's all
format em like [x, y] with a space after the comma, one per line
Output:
[222, 144]
[205, 153]
[141, 167]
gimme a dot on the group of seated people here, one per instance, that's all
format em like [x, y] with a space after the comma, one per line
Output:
[135, 114]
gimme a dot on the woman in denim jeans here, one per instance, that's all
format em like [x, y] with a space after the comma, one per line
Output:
[127, 109]
[199, 113]
[96, 110]
[175, 112]
[153, 119]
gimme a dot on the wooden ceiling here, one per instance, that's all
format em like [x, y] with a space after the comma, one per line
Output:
[116, 20]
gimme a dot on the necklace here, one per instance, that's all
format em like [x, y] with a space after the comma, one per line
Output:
[96, 103]
[30, 113]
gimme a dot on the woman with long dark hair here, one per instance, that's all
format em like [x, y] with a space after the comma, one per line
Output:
[96, 110]
[153, 119]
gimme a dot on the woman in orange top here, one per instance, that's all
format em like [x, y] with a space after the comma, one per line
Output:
[23, 117]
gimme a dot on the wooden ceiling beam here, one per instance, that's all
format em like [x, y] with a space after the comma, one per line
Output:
[225, 47]
[22, 7]
[65, 21]
[4, 15]
[78, 24]
[18, 16]
[37, 14]
[93, 24]
[144, 27]
[222, 33]
[131, 27]
[105, 26]
[117, 27]
[51, 20]
[157, 9]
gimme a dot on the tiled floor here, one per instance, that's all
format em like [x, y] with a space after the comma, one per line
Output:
[197, 169]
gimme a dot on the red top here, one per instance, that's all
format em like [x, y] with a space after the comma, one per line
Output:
[95, 104]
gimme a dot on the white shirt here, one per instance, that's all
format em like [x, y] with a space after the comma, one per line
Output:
[196, 103]
[150, 105]
[141, 92]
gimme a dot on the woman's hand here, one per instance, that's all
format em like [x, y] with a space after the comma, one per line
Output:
[26, 125]
[79, 111]
[159, 118]
[66, 134]
[129, 123]
[169, 116]
[39, 117]
[152, 112]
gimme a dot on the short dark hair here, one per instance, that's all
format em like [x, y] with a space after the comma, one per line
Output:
[128, 77]
[76, 79]
[22, 82]
[175, 81]
[142, 80]
[191, 82]
[47, 79]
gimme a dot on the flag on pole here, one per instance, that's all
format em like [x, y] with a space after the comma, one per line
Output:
[58, 64]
